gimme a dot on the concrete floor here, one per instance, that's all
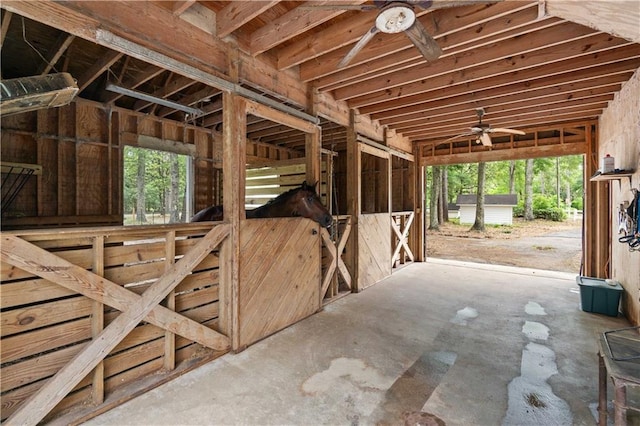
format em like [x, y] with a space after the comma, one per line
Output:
[471, 344]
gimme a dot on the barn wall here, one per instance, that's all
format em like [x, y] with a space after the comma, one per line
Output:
[619, 136]
[80, 182]
[79, 147]
[402, 185]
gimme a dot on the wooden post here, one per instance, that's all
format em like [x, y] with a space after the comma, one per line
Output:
[417, 240]
[233, 190]
[97, 321]
[353, 198]
[312, 155]
[170, 302]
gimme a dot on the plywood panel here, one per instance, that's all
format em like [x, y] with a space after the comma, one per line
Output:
[279, 275]
[374, 245]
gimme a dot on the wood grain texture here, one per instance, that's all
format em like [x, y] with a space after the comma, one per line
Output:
[279, 275]
[36, 407]
[374, 244]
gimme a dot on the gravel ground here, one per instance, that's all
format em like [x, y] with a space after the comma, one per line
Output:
[554, 246]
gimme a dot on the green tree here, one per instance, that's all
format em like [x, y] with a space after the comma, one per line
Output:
[478, 225]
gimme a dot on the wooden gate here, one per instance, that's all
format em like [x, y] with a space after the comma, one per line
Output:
[279, 275]
[401, 226]
[81, 314]
[374, 249]
[336, 278]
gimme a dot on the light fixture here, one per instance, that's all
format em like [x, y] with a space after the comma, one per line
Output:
[149, 98]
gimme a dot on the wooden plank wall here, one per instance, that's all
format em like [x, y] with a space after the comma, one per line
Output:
[80, 183]
[402, 184]
[374, 183]
[44, 325]
[279, 280]
[79, 147]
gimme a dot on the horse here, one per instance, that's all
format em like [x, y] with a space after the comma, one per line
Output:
[302, 201]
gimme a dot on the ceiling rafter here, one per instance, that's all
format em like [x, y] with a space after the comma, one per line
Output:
[492, 31]
[99, 67]
[147, 74]
[459, 84]
[62, 44]
[434, 116]
[484, 62]
[237, 13]
[292, 24]
[173, 85]
[438, 23]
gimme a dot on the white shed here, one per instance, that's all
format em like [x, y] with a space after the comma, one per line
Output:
[498, 209]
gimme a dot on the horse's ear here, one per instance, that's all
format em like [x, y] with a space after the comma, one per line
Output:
[312, 186]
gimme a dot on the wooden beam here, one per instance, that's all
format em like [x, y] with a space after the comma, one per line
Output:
[268, 113]
[464, 104]
[61, 46]
[505, 154]
[147, 74]
[577, 44]
[100, 66]
[171, 87]
[6, 21]
[313, 145]
[291, 24]
[354, 178]
[36, 407]
[180, 6]
[238, 13]
[512, 82]
[233, 169]
[418, 208]
[618, 18]
[334, 37]
[15, 251]
[323, 71]
[202, 95]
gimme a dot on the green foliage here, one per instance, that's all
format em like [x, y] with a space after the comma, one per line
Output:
[544, 207]
[157, 179]
[555, 214]
[557, 183]
[577, 203]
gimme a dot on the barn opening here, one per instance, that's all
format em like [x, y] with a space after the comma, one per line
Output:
[156, 187]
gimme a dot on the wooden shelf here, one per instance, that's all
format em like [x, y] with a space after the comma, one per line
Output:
[611, 176]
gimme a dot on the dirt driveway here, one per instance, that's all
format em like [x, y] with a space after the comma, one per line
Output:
[554, 246]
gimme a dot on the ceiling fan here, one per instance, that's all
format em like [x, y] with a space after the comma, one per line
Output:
[482, 130]
[395, 17]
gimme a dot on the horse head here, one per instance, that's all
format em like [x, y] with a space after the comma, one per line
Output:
[306, 203]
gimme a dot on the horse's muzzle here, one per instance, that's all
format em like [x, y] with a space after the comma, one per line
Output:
[326, 221]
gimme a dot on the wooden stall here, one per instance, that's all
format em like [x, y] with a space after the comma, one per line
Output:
[75, 298]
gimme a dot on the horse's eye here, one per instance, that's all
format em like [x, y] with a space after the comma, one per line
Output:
[310, 199]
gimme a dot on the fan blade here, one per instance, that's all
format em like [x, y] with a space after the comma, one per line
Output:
[358, 47]
[485, 139]
[423, 41]
[462, 135]
[510, 131]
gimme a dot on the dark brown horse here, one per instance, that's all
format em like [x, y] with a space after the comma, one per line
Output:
[302, 201]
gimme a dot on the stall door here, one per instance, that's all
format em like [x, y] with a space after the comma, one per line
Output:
[279, 275]
[374, 248]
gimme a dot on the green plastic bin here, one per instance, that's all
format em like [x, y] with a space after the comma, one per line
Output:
[599, 297]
